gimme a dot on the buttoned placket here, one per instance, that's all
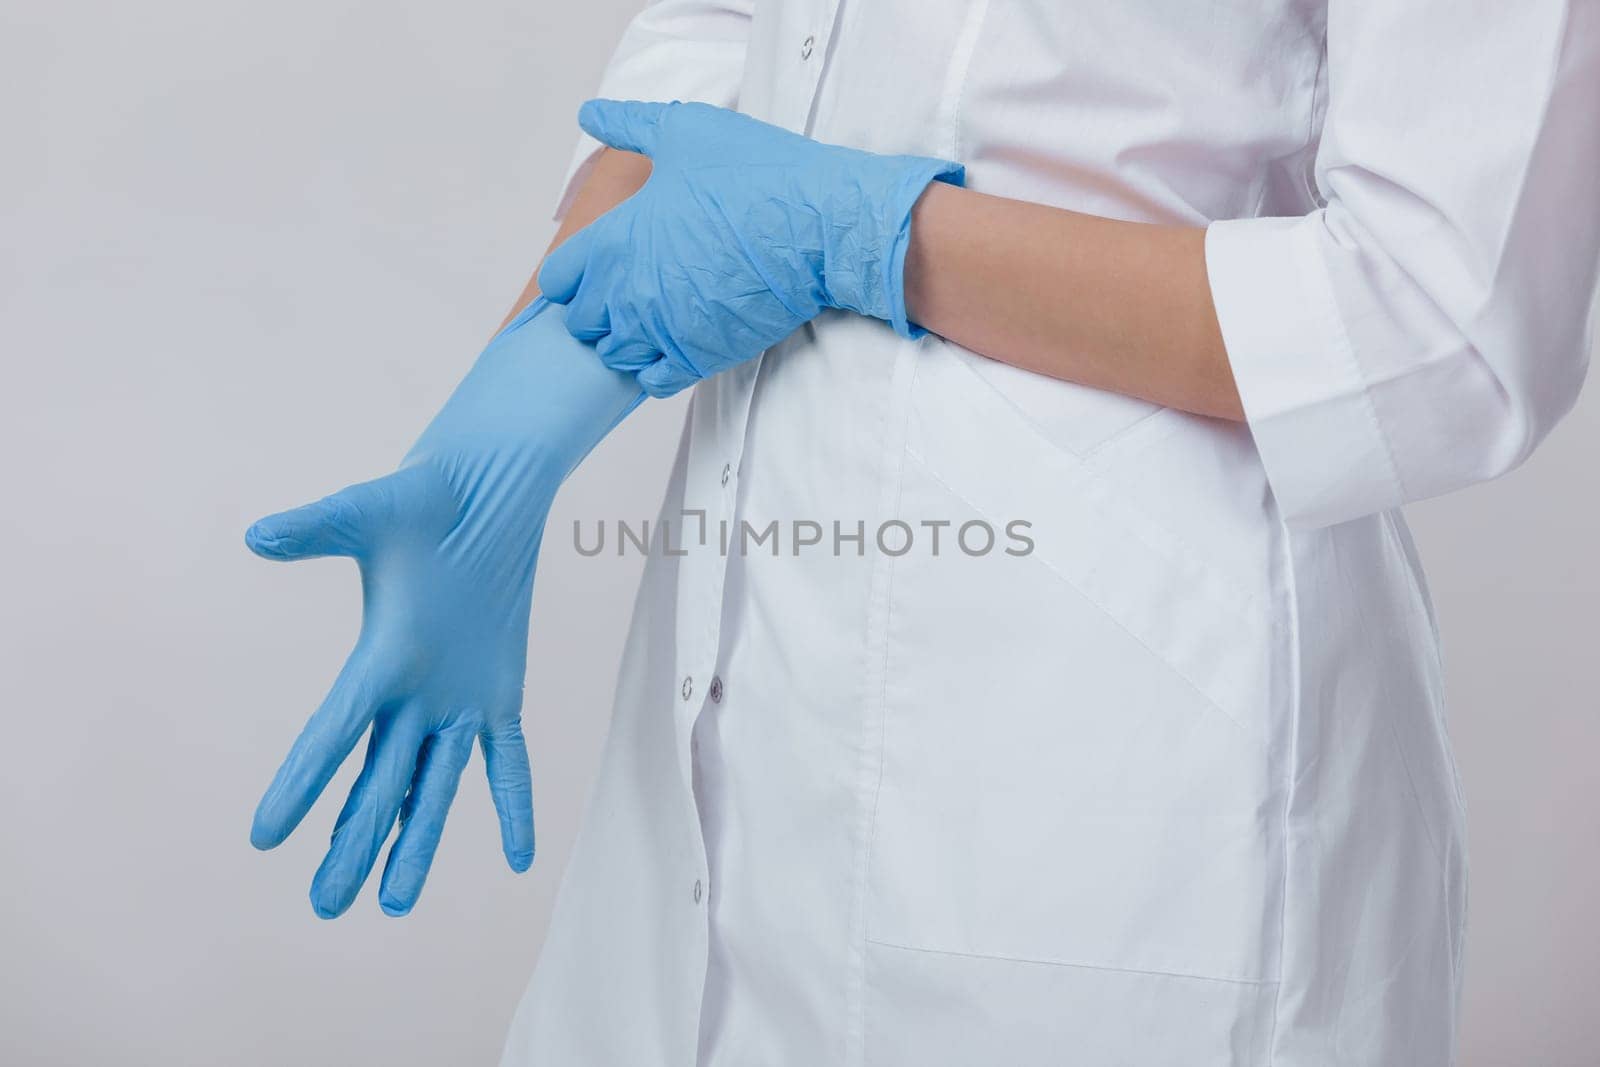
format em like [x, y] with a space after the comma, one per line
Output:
[718, 417]
[809, 33]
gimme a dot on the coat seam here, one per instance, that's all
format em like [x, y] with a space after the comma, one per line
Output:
[880, 609]
[1292, 593]
[960, 71]
[1073, 965]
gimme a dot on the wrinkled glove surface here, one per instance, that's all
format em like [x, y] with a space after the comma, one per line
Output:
[447, 546]
[742, 233]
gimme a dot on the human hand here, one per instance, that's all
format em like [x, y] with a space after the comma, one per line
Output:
[743, 232]
[447, 547]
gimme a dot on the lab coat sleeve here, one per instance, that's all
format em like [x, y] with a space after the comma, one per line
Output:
[1426, 327]
[672, 50]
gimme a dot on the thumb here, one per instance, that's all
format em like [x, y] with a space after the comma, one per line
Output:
[563, 268]
[631, 125]
[337, 525]
[663, 378]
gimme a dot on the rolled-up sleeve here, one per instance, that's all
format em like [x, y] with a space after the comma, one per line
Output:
[1427, 326]
[672, 50]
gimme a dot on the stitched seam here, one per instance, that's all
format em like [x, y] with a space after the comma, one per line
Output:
[883, 720]
[883, 687]
[1228, 979]
[1154, 528]
[1403, 544]
[1316, 111]
[1286, 560]
[1416, 797]
[1091, 452]
[855, 1036]
[1205, 698]
[961, 69]
[1413, 577]
[1118, 435]
[1096, 470]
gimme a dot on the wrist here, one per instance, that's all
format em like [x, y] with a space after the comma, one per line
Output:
[926, 237]
[865, 272]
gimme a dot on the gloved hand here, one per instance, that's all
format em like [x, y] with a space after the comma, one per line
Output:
[447, 546]
[742, 232]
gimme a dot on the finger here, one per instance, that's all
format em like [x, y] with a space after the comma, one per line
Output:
[505, 756]
[328, 736]
[444, 757]
[663, 378]
[369, 813]
[588, 317]
[626, 353]
[631, 125]
[563, 269]
[337, 525]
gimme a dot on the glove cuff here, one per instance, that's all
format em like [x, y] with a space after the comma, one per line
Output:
[865, 261]
[917, 179]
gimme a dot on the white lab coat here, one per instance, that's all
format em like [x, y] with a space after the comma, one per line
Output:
[1173, 787]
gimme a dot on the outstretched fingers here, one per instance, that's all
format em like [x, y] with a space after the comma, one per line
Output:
[444, 756]
[328, 736]
[370, 812]
[505, 756]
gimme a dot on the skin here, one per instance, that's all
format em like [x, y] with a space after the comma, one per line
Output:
[1120, 306]
[614, 177]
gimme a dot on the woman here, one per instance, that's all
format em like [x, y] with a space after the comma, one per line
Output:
[1167, 784]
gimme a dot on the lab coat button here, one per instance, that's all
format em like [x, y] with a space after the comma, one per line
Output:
[727, 472]
[716, 689]
[805, 47]
[688, 687]
[698, 891]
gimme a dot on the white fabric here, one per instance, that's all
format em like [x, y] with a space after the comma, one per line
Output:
[1173, 788]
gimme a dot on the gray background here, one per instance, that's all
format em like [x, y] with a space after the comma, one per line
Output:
[245, 250]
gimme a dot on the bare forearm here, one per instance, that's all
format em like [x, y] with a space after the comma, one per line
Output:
[614, 177]
[1122, 306]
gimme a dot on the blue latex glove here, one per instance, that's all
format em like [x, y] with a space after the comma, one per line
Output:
[743, 232]
[447, 546]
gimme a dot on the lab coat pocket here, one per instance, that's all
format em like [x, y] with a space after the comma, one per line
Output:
[1075, 765]
[1073, 417]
